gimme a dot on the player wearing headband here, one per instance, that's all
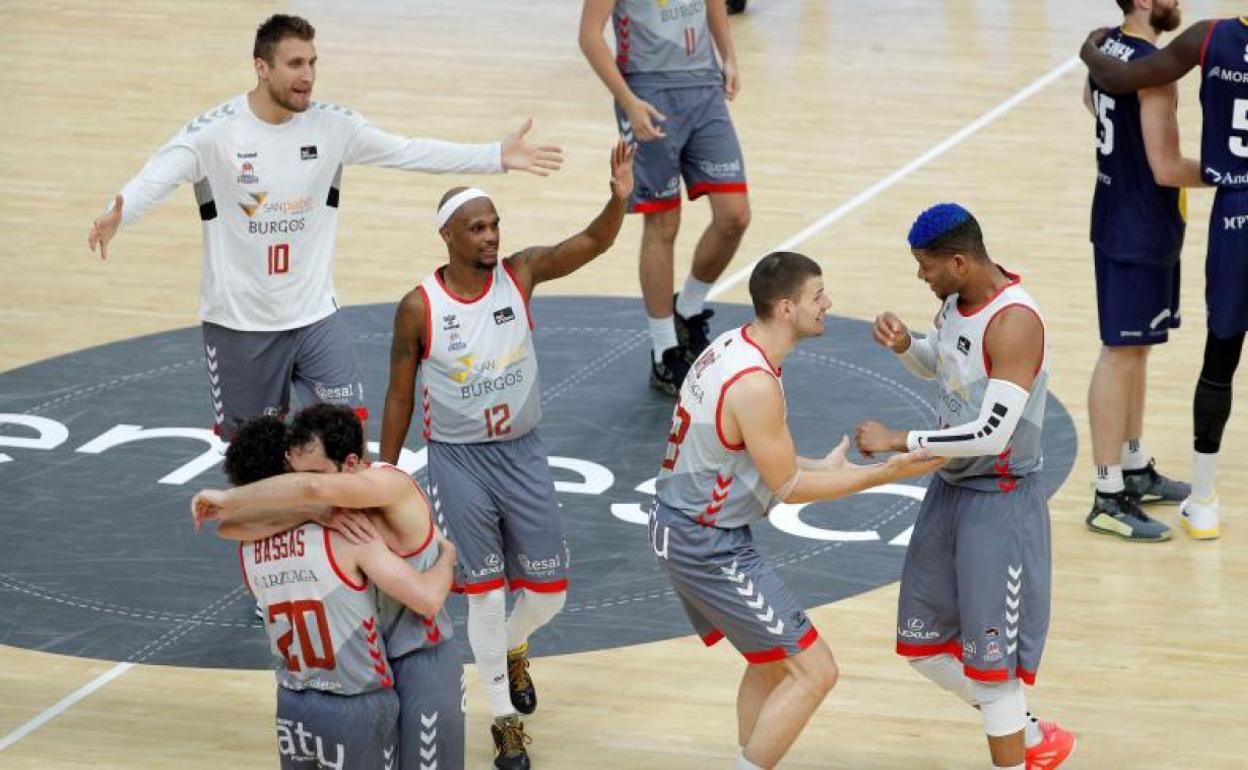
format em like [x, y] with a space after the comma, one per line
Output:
[974, 608]
[469, 324]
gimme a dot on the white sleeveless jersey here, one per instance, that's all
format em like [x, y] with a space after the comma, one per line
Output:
[406, 631]
[702, 475]
[962, 374]
[322, 627]
[479, 368]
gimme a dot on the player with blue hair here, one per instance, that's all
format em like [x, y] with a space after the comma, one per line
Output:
[973, 613]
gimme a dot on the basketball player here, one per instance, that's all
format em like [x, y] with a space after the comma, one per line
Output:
[469, 325]
[670, 93]
[729, 459]
[320, 592]
[1218, 46]
[267, 169]
[975, 583]
[1138, 222]
[428, 672]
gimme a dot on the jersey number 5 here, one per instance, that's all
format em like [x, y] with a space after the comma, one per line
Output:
[680, 427]
[1239, 122]
[296, 614]
[1104, 104]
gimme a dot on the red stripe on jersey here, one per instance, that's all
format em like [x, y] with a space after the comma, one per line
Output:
[329, 552]
[719, 408]
[512, 274]
[1204, 47]
[489, 281]
[427, 343]
[745, 334]
[1014, 281]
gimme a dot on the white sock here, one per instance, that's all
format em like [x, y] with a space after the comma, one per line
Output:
[531, 611]
[947, 672]
[487, 635]
[1134, 455]
[1204, 467]
[692, 297]
[662, 336]
[1109, 479]
[1031, 731]
[745, 764]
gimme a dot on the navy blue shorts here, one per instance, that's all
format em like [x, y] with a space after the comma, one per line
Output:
[1226, 268]
[1137, 304]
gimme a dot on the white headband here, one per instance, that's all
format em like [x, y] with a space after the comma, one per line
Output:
[448, 209]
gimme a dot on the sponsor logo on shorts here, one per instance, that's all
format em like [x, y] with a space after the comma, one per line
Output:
[992, 652]
[302, 745]
[506, 315]
[968, 649]
[539, 565]
[719, 170]
[1104, 179]
[307, 152]
[1234, 223]
[915, 630]
[493, 565]
[991, 632]
[336, 393]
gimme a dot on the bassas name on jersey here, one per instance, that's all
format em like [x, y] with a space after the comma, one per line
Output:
[283, 545]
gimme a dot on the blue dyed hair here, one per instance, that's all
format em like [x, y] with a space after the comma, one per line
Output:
[947, 227]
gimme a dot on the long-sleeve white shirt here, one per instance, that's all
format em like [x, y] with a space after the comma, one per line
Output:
[268, 200]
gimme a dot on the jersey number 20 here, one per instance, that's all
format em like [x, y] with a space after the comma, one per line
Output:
[296, 614]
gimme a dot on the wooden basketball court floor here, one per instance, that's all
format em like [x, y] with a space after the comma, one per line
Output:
[853, 116]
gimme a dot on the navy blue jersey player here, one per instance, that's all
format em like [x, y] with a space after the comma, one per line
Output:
[1138, 222]
[1220, 48]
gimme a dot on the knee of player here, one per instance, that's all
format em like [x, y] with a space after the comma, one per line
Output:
[492, 601]
[1002, 706]
[662, 225]
[818, 670]
[733, 220]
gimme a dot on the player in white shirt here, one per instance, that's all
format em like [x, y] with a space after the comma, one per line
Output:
[267, 170]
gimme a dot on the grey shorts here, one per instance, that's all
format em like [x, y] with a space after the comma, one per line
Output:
[976, 580]
[726, 588]
[497, 503]
[700, 145]
[430, 683]
[320, 730]
[251, 373]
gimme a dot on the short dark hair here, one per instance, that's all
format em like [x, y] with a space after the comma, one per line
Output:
[337, 426]
[966, 237]
[277, 28]
[1127, 6]
[257, 451]
[779, 275]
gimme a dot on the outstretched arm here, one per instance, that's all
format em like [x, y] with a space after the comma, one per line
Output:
[370, 146]
[406, 349]
[545, 263]
[174, 164]
[754, 410]
[1165, 66]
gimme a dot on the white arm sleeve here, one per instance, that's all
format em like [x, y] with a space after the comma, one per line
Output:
[987, 434]
[920, 358]
[370, 146]
[172, 165]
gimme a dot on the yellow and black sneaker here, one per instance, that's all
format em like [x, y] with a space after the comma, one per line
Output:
[509, 743]
[1119, 514]
[523, 695]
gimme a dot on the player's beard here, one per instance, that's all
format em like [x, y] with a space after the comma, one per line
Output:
[286, 99]
[1165, 19]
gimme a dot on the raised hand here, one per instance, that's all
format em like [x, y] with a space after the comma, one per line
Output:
[890, 332]
[539, 159]
[622, 169]
[104, 228]
[836, 459]
[206, 505]
[644, 120]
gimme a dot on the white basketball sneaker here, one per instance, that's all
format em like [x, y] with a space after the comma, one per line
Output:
[1199, 518]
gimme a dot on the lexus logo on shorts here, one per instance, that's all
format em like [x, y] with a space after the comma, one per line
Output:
[504, 316]
[915, 624]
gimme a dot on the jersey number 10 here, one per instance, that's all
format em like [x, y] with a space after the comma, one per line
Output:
[279, 258]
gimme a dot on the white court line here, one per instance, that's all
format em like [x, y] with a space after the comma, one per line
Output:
[64, 704]
[866, 195]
